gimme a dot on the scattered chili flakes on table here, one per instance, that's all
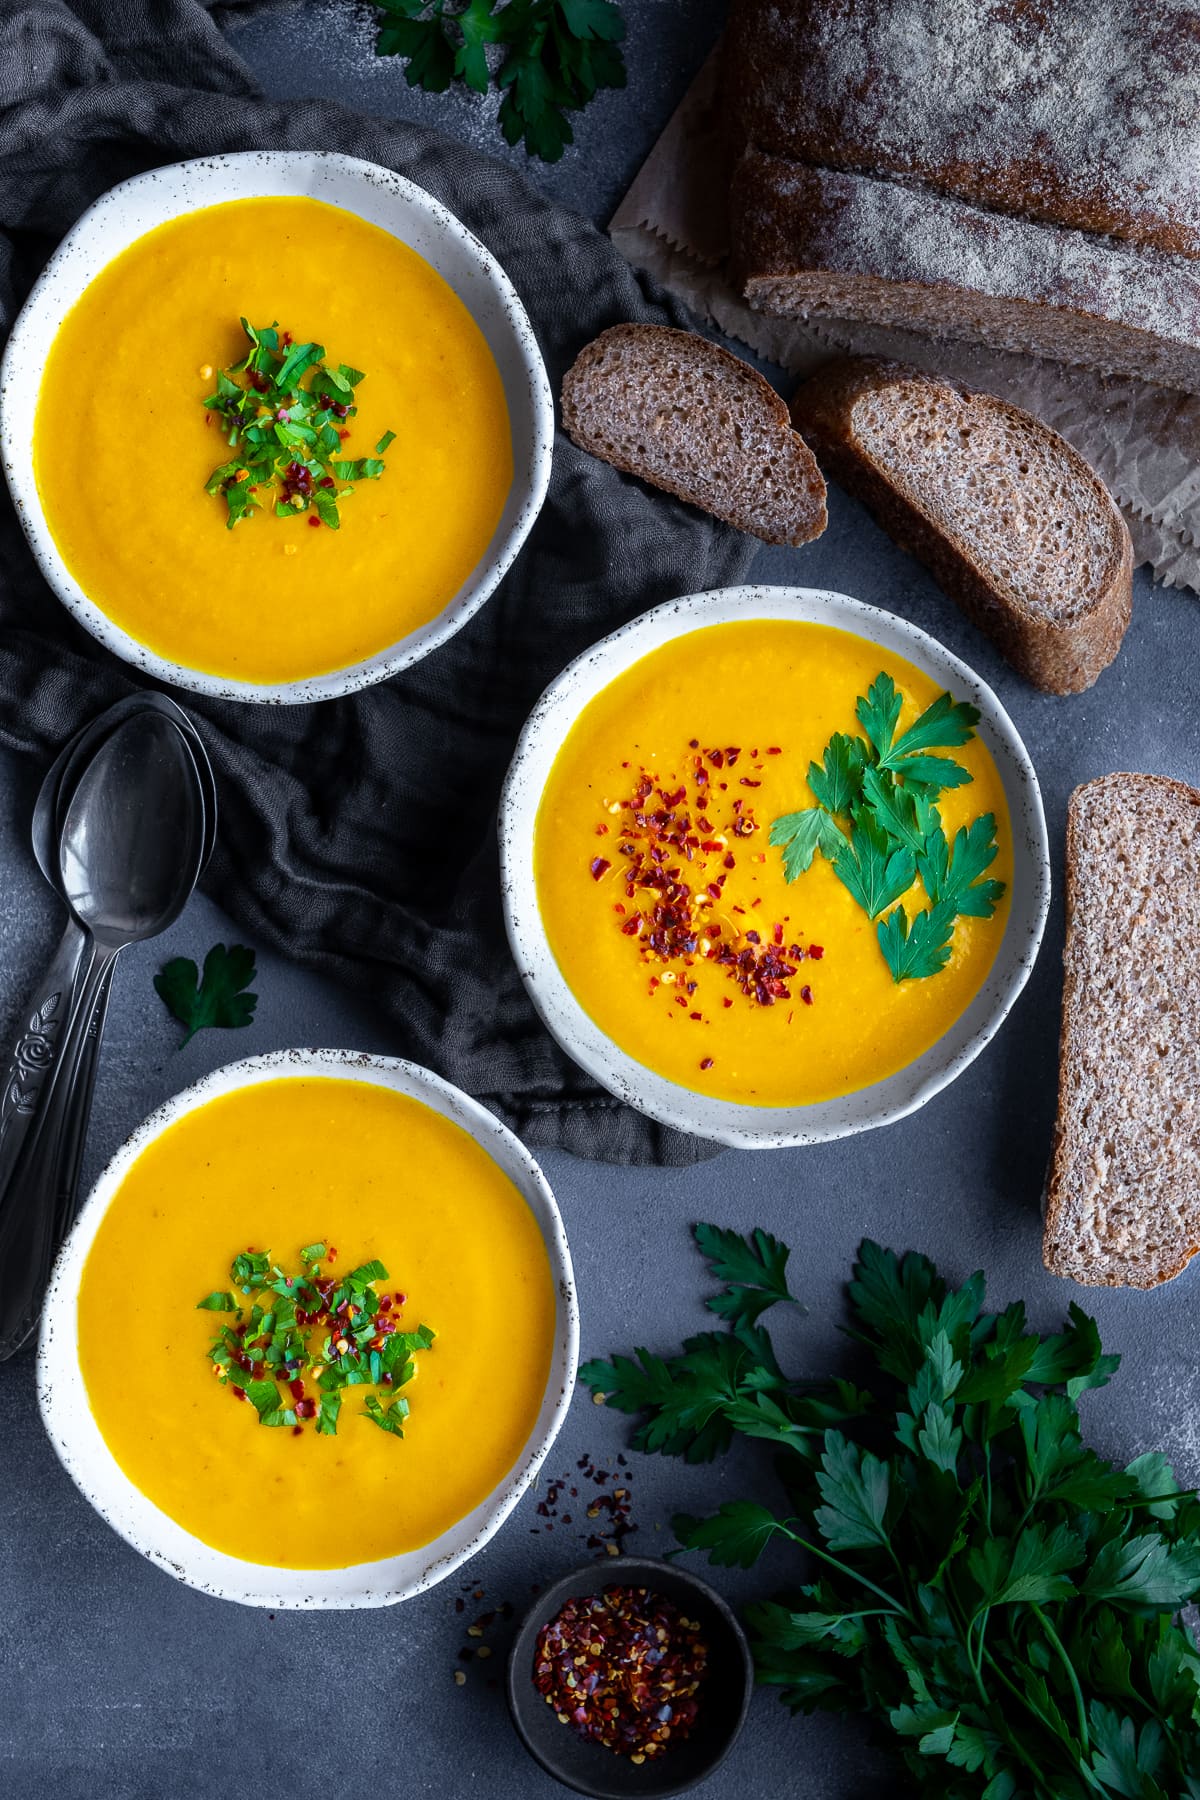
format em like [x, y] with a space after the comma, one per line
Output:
[623, 1668]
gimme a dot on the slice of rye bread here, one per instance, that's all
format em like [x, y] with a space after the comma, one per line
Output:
[1011, 521]
[1123, 1193]
[685, 415]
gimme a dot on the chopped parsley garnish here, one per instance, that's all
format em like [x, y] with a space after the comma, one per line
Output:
[877, 824]
[217, 997]
[315, 1336]
[957, 1565]
[284, 411]
[550, 57]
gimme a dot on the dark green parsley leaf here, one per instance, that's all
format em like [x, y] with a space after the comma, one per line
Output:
[855, 1487]
[1031, 1568]
[879, 712]
[215, 999]
[871, 868]
[755, 1267]
[734, 1537]
[920, 949]
[905, 814]
[837, 780]
[1144, 1571]
[946, 723]
[952, 876]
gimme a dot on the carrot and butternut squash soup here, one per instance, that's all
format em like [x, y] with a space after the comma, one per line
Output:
[270, 440]
[772, 861]
[316, 1323]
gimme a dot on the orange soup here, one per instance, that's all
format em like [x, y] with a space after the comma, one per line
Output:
[123, 443]
[363, 1173]
[724, 976]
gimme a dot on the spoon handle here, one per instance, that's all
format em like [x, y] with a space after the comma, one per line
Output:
[30, 1206]
[75, 1132]
[37, 1052]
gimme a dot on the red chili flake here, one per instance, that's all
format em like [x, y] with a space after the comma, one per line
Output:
[624, 1668]
[343, 435]
[806, 995]
[602, 830]
[599, 867]
[327, 482]
[816, 952]
[745, 781]
[314, 521]
[707, 1063]
[297, 1431]
[695, 1015]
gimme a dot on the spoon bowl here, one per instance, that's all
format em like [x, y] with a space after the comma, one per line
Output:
[132, 838]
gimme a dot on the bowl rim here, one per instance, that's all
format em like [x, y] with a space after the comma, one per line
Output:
[278, 173]
[87, 1459]
[734, 1123]
[589, 1577]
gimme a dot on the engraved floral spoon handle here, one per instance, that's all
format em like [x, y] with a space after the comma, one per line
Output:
[34, 1059]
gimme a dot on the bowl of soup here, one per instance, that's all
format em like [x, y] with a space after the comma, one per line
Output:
[775, 864]
[313, 1333]
[275, 424]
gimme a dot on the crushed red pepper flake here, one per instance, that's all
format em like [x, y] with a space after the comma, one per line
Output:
[623, 1669]
[658, 837]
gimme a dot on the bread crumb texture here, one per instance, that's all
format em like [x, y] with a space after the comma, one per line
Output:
[688, 417]
[1123, 1196]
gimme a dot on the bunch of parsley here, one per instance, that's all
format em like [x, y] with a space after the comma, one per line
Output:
[999, 1596]
[877, 823]
[549, 57]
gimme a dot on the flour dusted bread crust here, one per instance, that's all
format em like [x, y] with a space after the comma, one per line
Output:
[1026, 175]
[1123, 1195]
[1009, 518]
[689, 417]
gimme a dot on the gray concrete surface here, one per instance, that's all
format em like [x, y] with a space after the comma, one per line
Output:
[117, 1683]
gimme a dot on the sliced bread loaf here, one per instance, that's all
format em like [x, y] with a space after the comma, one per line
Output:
[687, 416]
[1123, 1195]
[1011, 521]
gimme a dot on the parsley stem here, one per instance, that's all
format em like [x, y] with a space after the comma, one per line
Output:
[902, 1612]
[1024, 1700]
[1058, 1646]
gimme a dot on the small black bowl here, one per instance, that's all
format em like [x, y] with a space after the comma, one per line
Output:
[724, 1698]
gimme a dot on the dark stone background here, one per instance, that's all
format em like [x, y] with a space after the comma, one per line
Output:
[117, 1683]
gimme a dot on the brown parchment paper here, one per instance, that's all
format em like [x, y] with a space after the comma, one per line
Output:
[1143, 440]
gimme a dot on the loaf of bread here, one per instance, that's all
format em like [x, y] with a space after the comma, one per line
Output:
[1024, 176]
[687, 416]
[1123, 1195]
[1011, 521]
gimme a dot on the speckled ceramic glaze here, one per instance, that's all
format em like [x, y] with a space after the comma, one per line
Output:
[91, 1465]
[725, 1120]
[382, 198]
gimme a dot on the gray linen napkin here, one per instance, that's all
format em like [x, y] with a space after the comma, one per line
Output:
[357, 836]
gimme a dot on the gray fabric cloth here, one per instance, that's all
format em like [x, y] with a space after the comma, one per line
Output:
[357, 836]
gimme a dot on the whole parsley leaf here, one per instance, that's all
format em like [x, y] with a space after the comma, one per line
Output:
[800, 835]
[735, 1538]
[872, 868]
[216, 998]
[755, 1268]
[836, 780]
[914, 950]
[952, 876]
[878, 712]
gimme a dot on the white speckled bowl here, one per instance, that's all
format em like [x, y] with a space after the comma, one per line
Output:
[726, 1121]
[91, 1465]
[385, 199]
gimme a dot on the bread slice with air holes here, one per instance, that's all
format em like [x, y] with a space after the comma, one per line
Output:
[1123, 1192]
[1009, 519]
[687, 416]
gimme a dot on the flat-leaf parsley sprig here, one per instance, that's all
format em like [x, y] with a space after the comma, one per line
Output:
[876, 822]
[216, 997]
[308, 1329]
[549, 57]
[998, 1597]
[284, 410]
